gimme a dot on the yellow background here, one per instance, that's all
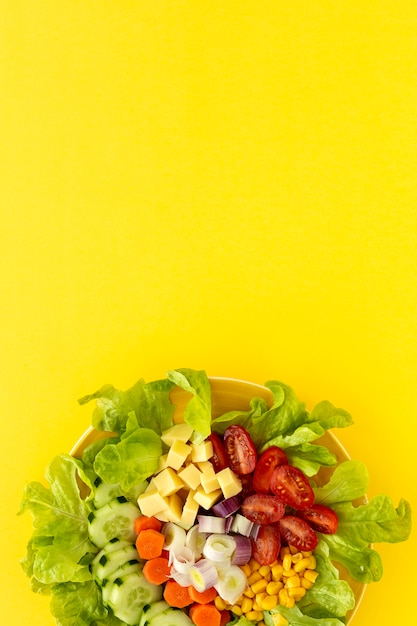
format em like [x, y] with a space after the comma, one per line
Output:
[220, 185]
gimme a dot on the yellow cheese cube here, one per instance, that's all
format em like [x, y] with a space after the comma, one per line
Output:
[151, 502]
[229, 482]
[206, 500]
[189, 511]
[190, 475]
[167, 482]
[174, 510]
[178, 432]
[209, 480]
[204, 466]
[201, 452]
[177, 454]
[162, 462]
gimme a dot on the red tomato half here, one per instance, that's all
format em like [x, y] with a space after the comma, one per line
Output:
[240, 450]
[219, 458]
[266, 547]
[297, 533]
[292, 487]
[268, 461]
[263, 508]
[321, 518]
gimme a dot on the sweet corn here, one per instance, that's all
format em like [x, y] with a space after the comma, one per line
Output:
[293, 581]
[253, 578]
[254, 616]
[276, 572]
[246, 570]
[287, 562]
[236, 609]
[296, 592]
[283, 596]
[265, 571]
[219, 603]
[273, 587]
[259, 585]
[260, 597]
[246, 605]
[249, 593]
[254, 565]
[303, 563]
[279, 620]
[269, 603]
[311, 575]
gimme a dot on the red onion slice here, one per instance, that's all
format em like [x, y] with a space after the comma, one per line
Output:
[243, 551]
[226, 507]
[211, 524]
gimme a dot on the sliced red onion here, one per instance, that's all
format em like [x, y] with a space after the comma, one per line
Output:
[219, 547]
[243, 551]
[255, 530]
[211, 524]
[228, 525]
[174, 535]
[182, 559]
[226, 507]
[203, 575]
[241, 525]
[195, 540]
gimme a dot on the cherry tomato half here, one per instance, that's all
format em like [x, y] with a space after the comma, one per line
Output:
[321, 518]
[268, 461]
[297, 533]
[263, 508]
[219, 458]
[247, 486]
[292, 487]
[266, 547]
[240, 450]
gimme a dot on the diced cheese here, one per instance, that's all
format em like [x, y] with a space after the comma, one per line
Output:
[151, 502]
[202, 451]
[167, 482]
[209, 480]
[178, 432]
[177, 454]
[175, 507]
[230, 484]
[190, 475]
[206, 500]
[162, 462]
[204, 465]
[189, 511]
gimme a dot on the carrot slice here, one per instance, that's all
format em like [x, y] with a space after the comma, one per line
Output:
[175, 595]
[205, 615]
[202, 597]
[143, 522]
[149, 543]
[157, 570]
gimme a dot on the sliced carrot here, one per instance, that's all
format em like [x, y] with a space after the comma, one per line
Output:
[149, 543]
[205, 615]
[224, 617]
[202, 597]
[143, 522]
[175, 595]
[157, 570]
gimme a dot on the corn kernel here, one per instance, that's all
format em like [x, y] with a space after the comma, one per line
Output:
[313, 562]
[273, 587]
[246, 569]
[269, 603]
[264, 570]
[293, 549]
[286, 562]
[279, 620]
[283, 596]
[293, 581]
[298, 556]
[254, 565]
[249, 593]
[254, 616]
[304, 563]
[260, 585]
[288, 572]
[253, 578]
[261, 623]
[236, 609]
[260, 597]
[256, 606]
[307, 552]
[296, 592]
[311, 575]
[246, 605]
[290, 603]
[307, 584]
[276, 571]
[219, 603]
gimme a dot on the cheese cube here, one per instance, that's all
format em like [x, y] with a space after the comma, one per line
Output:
[206, 500]
[190, 475]
[151, 502]
[162, 462]
[202, 451]
[167, 482]
[174, 510]
[204, 466]
[209, 480]
[189, 511]
[229, 482]
[178, 432]
[177, 454]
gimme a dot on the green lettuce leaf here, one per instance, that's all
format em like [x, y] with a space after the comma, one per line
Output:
[75, 604]
[310, 457]
[198, 410]
[296, 618]
[349, 481]
[149, 401]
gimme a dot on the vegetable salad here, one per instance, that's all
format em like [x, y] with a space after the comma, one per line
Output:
[232, 518]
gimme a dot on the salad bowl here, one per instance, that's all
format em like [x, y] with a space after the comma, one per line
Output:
[229, 394]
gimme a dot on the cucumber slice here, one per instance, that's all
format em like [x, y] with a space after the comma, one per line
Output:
[129, 594]
[107, 583]
[152, 610]
[114, 519]
[110, 562]
[105, 492]
[171, 617]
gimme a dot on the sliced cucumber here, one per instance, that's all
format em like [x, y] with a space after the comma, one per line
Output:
[114, 519]
[171, 617]
[129, 594]
[105, 492]
[152, 610]
[123, 570]
[110, 562]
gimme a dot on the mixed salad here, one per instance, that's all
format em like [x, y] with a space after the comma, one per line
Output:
[205, 521]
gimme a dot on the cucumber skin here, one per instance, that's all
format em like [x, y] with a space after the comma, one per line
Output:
[170, 617]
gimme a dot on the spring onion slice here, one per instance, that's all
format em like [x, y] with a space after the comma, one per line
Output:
[203, 575]
[211, 524]
[219, 547]
[241, 525]
[231, 584]
[195, 540]
[182, 559]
